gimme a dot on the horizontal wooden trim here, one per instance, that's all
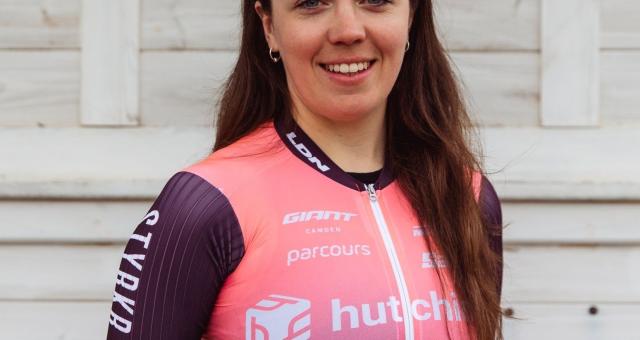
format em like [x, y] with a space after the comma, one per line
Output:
[530, 223]
[524, 163]
[585, 274]
[89, 320]
[70, 221]
[33, 320]
[545, 223]
[563, 163]
[92, 162]
[572, 321]
[532, 274]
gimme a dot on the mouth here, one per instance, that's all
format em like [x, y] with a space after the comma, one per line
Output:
[349, 69]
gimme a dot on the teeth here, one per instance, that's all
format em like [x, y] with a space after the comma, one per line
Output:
[348, 68]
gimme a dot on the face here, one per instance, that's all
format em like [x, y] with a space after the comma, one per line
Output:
[341, 57]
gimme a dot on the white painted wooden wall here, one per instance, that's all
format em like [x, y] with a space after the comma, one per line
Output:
[101, 101]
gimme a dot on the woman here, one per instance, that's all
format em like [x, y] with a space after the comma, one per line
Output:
[341, 199]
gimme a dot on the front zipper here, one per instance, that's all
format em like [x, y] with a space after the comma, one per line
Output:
[393, 258]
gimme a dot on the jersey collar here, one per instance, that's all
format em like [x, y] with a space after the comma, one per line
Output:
[303, 147]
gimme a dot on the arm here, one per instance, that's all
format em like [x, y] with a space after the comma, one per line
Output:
[175, 263]
[492, 211]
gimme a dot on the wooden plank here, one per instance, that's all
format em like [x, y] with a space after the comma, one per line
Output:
[501, 89]
[139, 161]
[621, 87]
[70, 221]
[567, 222]
[570, 63]
[39, 88]
[189, 83]
[200, 24]
[587, 274]
[54, 320]
[88, 320]
[497, 25]
[110, 66]
[190, 24]
[558, 321]
[39, 24]
[528, 222]
[182, 88]
[535, 223]
[58, 272]
[532, 274]
[620, 24]
[595, 163]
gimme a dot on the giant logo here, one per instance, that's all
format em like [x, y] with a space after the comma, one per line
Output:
[317, 215]
[306, 153]
[279, 317]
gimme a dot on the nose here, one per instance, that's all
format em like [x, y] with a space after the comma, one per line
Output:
[346, 28]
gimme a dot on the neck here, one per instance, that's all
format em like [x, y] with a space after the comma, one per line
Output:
[355, 146]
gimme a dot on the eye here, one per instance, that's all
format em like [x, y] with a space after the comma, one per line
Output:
[377, 3]
[308, 4]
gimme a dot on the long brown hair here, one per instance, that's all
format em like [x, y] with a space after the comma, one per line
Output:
[428, 134]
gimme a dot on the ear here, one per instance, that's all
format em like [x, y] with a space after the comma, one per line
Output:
[267, 26]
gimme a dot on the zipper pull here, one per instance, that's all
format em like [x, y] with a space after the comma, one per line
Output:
[372, 192]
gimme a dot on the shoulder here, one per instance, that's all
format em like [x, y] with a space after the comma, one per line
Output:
[491, 209]
[191, 241]
[236, 166]
[487, 198]
[193, 203]
[490, 202]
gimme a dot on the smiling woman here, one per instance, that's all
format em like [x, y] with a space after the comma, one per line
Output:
[341, 199]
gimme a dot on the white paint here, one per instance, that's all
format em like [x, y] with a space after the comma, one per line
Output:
[572, 321]
[110, 65]
[39, 88]
[543, 223]
[620, 25]
[587, 274]
[570, 62]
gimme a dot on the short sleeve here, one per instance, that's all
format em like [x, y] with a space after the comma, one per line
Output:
[175, 262]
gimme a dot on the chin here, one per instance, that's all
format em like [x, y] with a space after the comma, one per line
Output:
[343, 114]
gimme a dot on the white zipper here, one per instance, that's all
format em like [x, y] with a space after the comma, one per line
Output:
[395, 262]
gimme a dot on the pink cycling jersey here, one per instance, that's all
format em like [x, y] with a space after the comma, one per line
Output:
[269, 239]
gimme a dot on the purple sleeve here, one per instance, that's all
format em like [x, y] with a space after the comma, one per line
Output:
[492, 211]
[175, 263]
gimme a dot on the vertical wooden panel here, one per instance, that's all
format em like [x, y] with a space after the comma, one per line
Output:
[570, 62]
[110, 62]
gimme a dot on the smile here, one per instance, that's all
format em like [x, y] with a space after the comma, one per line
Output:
[348, 68]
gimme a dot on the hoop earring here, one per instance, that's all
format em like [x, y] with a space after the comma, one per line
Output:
[406, 48]
[274, 59]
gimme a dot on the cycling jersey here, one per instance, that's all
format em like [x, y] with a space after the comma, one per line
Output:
[267, 238]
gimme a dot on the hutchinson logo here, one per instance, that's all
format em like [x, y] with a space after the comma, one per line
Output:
[279, 317]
